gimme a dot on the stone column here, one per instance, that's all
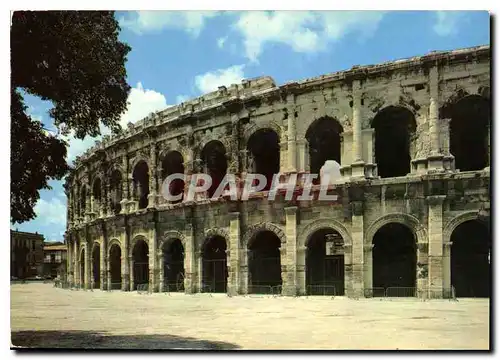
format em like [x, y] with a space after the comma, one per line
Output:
[292, 134]
[125, 186]
[199, 261]
[161, 270]
[88, 265]
[69, 259]
[368, 265]
[153, 180]
[435, 158]
[125, 262]
[75, 263]
[153, 272]
[291, 250]
[302, 155]
[435, 252]
[244, 273]
[234, 240]
[348, 275]
[131, 270]
[189, 261]
[108, 269]
[103, 261]
[88, 204]
[357, 250]
[301, 270]
[357, 167]
[447, 269]
[284, 274]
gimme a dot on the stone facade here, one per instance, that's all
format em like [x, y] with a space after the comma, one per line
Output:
[26, 258]
[111, 203]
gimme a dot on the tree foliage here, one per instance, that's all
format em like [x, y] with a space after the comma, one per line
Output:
[75, 60]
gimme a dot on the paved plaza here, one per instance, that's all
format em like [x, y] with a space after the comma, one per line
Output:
[44, 316]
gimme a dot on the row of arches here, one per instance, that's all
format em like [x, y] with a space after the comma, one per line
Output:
[394, 261]
[395, 136]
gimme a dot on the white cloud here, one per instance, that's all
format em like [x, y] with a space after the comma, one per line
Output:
[155, 21]
[447, 22]
[303, 31]
[141, 102]
[51, 212]
[221, 41]
[211, 81]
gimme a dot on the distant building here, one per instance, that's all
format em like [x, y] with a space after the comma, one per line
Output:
[26, 251]
[54, 259]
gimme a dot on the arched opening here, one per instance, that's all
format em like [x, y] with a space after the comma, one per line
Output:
[173, 266]
[264, 154]
[394, 261]
[82, 268]
[83, 201]
[470, 263]
[115, 255]
[215, 265]
[394, 128]
[96, 265]
[173, 163]
[141, 183]
[264, 263]
[325, 263]
[323, 136]
[469, 134]
[116, 191]
[140, 257]
[214, 161]
[96, 194]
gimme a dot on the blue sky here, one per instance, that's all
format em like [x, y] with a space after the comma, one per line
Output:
[181, 55]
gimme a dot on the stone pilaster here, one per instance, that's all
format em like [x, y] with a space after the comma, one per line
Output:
[291, 250]
[88, 265]
[358, 165]
[75, 263]
[435, 254]
[161, 270]
[348, 274]
[131, 272]
[125, 186]
[234, 241]
[357, 250]
[244, 274]
[302, 155]
[199, 270]
[447, 269]
[125, 262]
[285, 281]
[435, 158]
[368, 265]
[301, 270]
[189, 260]
[153, 179]
[103, 264]
[152, 259]
[292, 134]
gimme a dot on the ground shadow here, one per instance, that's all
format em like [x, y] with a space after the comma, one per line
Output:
[103, 340]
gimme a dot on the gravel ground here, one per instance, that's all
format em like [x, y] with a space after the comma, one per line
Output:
[44, 316]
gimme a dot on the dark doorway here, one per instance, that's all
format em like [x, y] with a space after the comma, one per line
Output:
[173, 266]
[214, 160]
[141, 183]
[264, 154]
[325, 263]
[394, 128]
[96, 265]
[469, 143]
[215, 265]
[470, 265]
[141, 263]
[394, 260]
[264, 263]
[115, 254]
[323, 137]
[173, 163]
[96, 193]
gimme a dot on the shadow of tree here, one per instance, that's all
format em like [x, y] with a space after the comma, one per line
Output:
[101, 340]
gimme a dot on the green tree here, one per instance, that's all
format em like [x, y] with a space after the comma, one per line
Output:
[75, 60]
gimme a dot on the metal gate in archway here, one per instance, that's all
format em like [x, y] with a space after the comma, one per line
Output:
[326, 277]
[214, 275]
[173, 278]
[264, 275]
[141, 273]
